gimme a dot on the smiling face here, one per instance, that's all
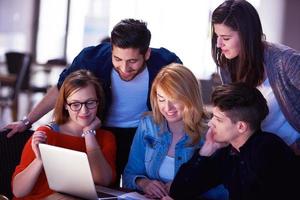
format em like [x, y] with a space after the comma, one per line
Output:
[128, 62]
[227, 40]
[170, 108]
[84, 116]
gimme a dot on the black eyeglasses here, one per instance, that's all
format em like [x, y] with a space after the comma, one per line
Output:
[76, 106]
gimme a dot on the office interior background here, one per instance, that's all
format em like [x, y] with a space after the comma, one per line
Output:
[59, 29]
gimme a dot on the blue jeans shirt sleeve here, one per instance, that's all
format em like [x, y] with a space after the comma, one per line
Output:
[135, 166]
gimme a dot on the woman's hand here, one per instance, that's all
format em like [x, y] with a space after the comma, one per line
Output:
[24, 182]
[153, 188]
[38, 137]
[95, 124]
[167, 198]
[168, 186]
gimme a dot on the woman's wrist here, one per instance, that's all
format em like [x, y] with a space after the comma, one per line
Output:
[141, 182]
[39, 161]
[88, 132]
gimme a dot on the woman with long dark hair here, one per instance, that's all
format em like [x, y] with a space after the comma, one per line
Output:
[242, 54]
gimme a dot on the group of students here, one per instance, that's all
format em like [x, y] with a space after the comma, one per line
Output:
[137, 111]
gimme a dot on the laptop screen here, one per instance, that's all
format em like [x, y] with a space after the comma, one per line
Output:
[68, 171]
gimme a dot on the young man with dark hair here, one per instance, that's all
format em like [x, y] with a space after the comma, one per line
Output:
[252, 164]
[126, 68]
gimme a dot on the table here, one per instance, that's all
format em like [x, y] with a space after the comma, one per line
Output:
[60, 196]
[128, 194]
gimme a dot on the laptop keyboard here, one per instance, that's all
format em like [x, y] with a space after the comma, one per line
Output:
[105, 195]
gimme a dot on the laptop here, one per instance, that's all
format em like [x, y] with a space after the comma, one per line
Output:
[68, 171]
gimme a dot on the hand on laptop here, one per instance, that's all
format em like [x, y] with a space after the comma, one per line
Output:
[38, 137]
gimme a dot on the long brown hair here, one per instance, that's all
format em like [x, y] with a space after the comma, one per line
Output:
[241, 16]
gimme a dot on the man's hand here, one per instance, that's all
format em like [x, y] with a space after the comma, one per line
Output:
[15, 127]
[42, 108]
[210, 146]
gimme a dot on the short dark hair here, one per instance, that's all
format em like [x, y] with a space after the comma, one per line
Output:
[241, 102]
[131, 33]
[241, 16]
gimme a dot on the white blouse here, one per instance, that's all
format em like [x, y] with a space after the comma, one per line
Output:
[167, 168]
[275, 122]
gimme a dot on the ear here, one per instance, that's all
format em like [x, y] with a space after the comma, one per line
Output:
[148, 53]
[242, 127]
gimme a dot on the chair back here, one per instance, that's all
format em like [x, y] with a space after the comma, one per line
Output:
[10, 154]
[19, 63]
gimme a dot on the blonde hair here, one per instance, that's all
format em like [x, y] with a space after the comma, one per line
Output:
[179, 83]
[76, 80]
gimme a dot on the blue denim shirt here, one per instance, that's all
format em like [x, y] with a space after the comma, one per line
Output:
[149, 148]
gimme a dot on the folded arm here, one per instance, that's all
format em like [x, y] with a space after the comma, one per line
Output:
[101, 170]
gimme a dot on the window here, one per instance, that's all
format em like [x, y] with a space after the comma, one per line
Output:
[51, 30]
[66, 29]
[16, 21]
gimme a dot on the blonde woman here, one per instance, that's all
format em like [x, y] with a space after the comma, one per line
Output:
[168, 136]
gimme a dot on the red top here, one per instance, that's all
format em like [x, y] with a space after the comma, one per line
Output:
[105, 140]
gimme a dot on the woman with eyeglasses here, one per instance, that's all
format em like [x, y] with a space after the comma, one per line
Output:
[75, 120]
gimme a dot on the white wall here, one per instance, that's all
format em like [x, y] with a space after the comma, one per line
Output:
[16, 21]
[291, 24]
[272, 14]
[183, 26]
[180, 26]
